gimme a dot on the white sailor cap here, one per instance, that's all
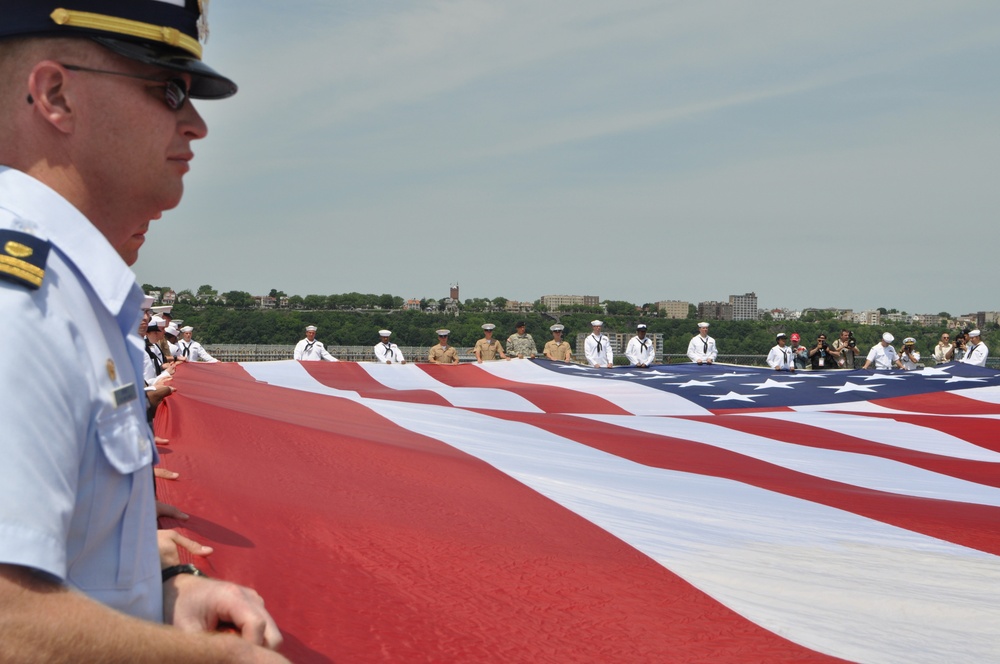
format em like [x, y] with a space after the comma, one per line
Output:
[974, 333]
[488, 326]
[443, 333]
[178, 322]
[384, 333]
[163, 309]
[310, 328]
[597, 323]
[556, 328]
[909, 340]
[640, 326]
[156, 323]
[187, 328]
[780, 335]
[172, 329]
[147, 302]
[702, 324]
[888, 338]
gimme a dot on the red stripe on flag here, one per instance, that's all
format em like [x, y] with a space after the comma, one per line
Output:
[966, 524]
[351, 376]
[547, 398]
[940, 403]
[984, 432]
[796, 433]
[372, 543]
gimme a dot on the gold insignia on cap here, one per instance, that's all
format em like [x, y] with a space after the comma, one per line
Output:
[18, 250]
[124, 26]
[112, 374]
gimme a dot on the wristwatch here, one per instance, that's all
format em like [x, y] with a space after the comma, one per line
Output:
[171, 572]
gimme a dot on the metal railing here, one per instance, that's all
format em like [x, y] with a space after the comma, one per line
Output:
[268, 352]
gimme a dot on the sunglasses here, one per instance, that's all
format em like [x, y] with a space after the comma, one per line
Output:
[175, 90]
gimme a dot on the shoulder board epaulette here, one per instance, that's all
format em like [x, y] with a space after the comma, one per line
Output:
[22, 258]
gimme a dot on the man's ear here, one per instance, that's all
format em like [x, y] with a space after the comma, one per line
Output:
[50, 93]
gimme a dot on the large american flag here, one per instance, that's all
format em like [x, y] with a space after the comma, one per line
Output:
[530, 511]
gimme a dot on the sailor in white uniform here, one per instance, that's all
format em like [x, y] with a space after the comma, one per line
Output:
[597, 347]
[640, 351]
[387, 352]
[702, 348]
[311, 350]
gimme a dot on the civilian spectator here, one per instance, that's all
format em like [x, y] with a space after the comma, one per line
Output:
[799, 352]
[944, 350]
[847, 349]
[822, 356]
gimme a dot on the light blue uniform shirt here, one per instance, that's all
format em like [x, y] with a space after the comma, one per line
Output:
[76, 487]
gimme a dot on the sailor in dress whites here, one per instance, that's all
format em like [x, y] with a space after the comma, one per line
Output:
[597, 347]
[702, 348]
[192, 351]
[640, 350]
[387, 352]
[977, 351]
[311, 350]
[781, 357]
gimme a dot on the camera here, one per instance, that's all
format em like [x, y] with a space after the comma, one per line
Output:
[851, 341]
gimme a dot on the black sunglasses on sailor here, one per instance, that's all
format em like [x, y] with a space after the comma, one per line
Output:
[175, 90]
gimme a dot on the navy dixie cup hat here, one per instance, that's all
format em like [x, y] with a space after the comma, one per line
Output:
[163, 33]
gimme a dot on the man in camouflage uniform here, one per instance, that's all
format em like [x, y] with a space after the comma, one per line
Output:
[521, 344]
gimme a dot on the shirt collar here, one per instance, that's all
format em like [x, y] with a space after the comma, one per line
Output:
[50, 216]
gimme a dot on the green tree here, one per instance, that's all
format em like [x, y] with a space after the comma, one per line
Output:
[206, 291]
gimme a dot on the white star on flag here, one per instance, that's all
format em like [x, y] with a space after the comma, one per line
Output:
[734, 396]
[770, 382]
[850, 387]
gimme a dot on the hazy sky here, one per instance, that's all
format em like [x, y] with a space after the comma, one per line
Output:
[818, 153]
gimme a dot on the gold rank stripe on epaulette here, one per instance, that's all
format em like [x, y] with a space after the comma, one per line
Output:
[124, 26]
[22, 258]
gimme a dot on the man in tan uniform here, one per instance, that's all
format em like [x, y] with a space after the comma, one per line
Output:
[557, 349]
[488, 348]
[442, 353]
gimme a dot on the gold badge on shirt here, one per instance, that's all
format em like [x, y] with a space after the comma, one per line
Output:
[112, 374]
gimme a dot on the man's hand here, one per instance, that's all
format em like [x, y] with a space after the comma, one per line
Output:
[198, 604]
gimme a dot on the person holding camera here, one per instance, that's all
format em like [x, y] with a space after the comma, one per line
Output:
[847, 346]
[961, 346]
[822, 356]
[909, 356]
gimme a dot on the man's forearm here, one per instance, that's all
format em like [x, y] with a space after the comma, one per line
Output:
[42, 620]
